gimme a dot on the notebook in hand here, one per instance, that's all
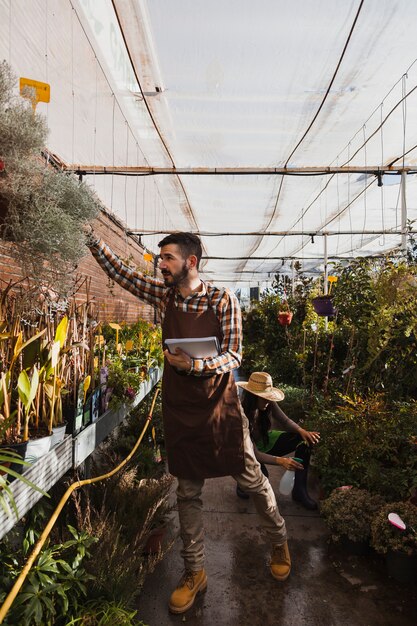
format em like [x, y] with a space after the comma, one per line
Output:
[196, 348]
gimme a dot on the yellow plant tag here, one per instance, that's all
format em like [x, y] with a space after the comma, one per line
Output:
[35, 91]
[86, 386]
[99, 340]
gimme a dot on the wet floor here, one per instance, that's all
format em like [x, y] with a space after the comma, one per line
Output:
[327, 587]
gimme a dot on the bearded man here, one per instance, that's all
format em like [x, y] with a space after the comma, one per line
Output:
[206, 431]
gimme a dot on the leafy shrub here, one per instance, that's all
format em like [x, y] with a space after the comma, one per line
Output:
[376, 301]
[367, 443]
[269, 346]
[386, 537]
[105, 613]
[120, 512]
[295, 402]
[349, 512]
[123, 382]
[56, 585]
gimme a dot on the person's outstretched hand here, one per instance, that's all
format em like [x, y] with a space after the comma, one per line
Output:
[90, 236]
[289, 464]
[310, 437]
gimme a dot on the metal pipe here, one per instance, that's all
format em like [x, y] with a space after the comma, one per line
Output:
[326, 267]
[124, 170]
[276, 233]
[404, 231]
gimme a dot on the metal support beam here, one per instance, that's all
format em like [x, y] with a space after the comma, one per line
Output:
[277, 233]
[403, 212]
[121, 170]
[292, 278]
[318, 259]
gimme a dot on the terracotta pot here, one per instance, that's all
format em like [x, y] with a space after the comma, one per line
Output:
[285, 318]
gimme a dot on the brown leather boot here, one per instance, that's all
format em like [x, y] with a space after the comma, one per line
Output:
[280, 561]
[184, 595]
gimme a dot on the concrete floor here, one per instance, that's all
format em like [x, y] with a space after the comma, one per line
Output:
[327, 587]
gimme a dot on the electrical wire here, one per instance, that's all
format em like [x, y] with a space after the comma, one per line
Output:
[190, 210]
[330, 84]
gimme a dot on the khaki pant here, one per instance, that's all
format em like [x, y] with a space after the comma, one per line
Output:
[190, 506]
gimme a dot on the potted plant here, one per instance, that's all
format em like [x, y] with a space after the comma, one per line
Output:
[323, 305]
[348, 513]
[284, 314]
[123, 383]
[42, 210]
[398, 545]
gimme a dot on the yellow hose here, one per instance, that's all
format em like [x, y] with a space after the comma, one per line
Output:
[38, 546]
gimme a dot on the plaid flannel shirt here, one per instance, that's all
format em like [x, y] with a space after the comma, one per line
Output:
[153, 291]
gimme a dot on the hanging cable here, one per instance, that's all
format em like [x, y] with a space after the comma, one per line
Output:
[365, 187]
[72, 86]
[127, 161]
[256, 246]
[136, 190]
[95, 117]
[349, 205]
[190, 212]
[330, 84]
[113, 150]
[380, 180]
[338, 205]
[381, 124]
[46, 55]
[10, 32]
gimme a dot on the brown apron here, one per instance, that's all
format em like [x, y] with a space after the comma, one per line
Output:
[201, 414]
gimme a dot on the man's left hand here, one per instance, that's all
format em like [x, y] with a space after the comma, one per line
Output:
[181, 360]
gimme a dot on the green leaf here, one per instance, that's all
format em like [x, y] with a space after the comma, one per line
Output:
[31, 354]
[33, 385]
[23, 388]
[61, 331]
[19, 345]
[56, 347]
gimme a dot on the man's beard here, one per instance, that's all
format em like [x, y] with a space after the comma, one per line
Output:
[172, 280]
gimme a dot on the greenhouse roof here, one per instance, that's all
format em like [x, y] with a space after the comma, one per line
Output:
[260, 125]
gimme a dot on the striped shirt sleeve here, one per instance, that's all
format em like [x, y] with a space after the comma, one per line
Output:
[147, 288]
[230, 317]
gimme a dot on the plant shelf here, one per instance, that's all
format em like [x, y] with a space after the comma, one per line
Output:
[90, 437]
[44, 473]
[68, 454]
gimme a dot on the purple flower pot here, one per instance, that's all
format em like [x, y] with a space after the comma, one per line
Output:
[323, 306]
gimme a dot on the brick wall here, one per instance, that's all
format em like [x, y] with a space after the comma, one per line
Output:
[114, 304]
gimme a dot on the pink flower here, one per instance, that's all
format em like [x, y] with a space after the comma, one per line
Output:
[130, 393]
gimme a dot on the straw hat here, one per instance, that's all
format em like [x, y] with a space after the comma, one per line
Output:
[260, 384]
